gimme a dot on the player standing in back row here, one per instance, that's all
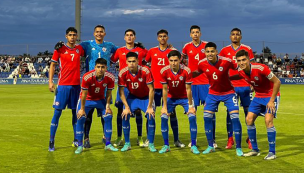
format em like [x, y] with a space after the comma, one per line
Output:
[241, 87]
[67, 92]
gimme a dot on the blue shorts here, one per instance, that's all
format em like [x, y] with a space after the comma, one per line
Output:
[118, 102]
[230, 101]
[66, 95]
[172, 103]
[243, 93]
[100, 105]
[158, 94]
[199, 94]
[258, 105]
[138, 103]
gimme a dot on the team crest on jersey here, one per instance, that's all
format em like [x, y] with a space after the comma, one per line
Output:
[77, 50]
[66, 52]
[104, 49]
[203, 50]
[104, 85]
[256, 78]
[181, 78]
[221, 69]
[93, 48]
[140, 79]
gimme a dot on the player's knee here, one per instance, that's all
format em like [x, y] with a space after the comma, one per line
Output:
[249, 120]
[137, 113]
[192, 118]
[107, 118]
[268, 121]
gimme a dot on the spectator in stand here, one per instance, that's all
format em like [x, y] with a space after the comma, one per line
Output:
[40, 59]
[47, 59]
[302, 57]
[302, 72]
[300, 63]
[286, 58]
[40, 69]
[265, 60]
[292, 66]
[274, 57]
[279, 62]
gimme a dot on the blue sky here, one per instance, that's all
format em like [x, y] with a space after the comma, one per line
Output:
[44, 22]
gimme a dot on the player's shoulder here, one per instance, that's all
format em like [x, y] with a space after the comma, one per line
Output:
[187, 44]
[108, 43]
[185, 68]
[89, 75]
[145, 69]
[78, 46]
[224, 58]
[164, 69]
[258, 66]
[245, 46]
[228, 47]
[153, 48]
[202, 61]
[109, 75]
[123, 71]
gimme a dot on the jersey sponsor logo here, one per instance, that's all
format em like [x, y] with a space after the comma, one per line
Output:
[168, 78]
[104, 49]
[256, 78]
[104, 85]
[221, 69]
[128, 80]
[203, 50]
[93, 84]
[66, 52]
[140, 79]
[181, 78]
[190, 51]
[228, 53]
[155, 54]
[93, 48]
[77, 50]
[207, 70]
[124, 54]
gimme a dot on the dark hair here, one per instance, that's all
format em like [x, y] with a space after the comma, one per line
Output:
[132, 54]
[130, 30]
[100, 26]
[236, 29]
[174, 53]
[162, 31]
[195, 27]
[242, 53]
[71, 29]
[101, 61]
[210, 44]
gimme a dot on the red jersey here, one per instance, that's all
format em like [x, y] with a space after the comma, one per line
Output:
[121, 53]
[218, 75]
[96, 89]
[230, 52]
[69, 62]
[176, 82]
[137, 84]
[259, 78]
[195, 54]
[158, 59]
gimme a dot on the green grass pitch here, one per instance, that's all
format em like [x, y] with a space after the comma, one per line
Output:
[26, 112]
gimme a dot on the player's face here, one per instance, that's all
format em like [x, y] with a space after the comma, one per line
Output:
[162, 38]
[243, 62]
[71, 37]
[132, 63]
[174, 62]
[195, 34]
[99, 33]
[100, 69]
[235, 37]
[211, 53]
[130, 37]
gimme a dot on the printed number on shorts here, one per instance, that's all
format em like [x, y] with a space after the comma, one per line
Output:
[235, 100]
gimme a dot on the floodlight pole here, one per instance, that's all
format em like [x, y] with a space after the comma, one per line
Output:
[78, 18]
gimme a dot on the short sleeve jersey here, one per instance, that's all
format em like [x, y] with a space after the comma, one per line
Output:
[120, 55]
[96, 88]
[158, 59]
[93, 51]
[195, 54]
[230, 52]
[259, 78]
[176, 82]
[136, 84]
[69, 63]
[217, 75]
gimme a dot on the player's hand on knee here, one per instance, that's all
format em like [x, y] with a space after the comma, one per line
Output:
[59, 45]
[109, 111]
[150, 112]
[125, 113]
[164, 111]
[80, 113]
[51, 86]
[270, 107]
[191, 111]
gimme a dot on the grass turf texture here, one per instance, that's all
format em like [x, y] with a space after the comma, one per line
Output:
[26, 113]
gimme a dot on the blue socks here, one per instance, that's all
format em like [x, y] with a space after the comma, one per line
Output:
[151, 128]
[107, 127]
[229, 125]
[209, 127]
[79, 130]
[271, 134]
[251, 130]
[237, 129]
[174, 125]
[54, 123]
[126, 128]
[193, 128]
[164, 128]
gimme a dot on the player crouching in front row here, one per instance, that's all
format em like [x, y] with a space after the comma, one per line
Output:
[139, 81]
[176, 80]
[266, 100]
[92, 96]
